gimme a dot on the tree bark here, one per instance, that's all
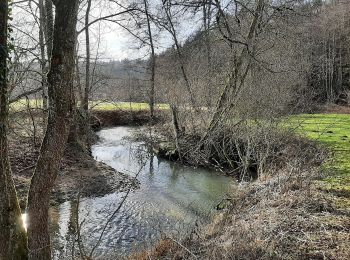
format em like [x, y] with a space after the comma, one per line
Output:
[152, 63]
[43, 59]
[48, 35]
[48, 22]
[61, 107]
[79, 138]
[13, 243]
[85, 104]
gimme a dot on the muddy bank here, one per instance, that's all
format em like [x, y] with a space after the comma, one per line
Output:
[77, 175]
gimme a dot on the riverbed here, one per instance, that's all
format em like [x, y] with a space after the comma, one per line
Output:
[170, 201]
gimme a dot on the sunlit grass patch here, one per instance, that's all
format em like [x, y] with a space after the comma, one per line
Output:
[24, 104]
[124, 106]
[333, 131]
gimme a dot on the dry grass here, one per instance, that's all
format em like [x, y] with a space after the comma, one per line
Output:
[281, 215]
[160, 250]
[284, 217]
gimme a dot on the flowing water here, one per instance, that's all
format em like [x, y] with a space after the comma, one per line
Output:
[170, 200]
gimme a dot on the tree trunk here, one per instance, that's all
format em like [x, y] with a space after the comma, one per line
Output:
[152, 63]
[176, 128]
[172, 31]
[48, 22]
[48, 35]
[85, 104]
[43, 67]
[238, 73]
[12, 234]
[61, 107]
[79, 139]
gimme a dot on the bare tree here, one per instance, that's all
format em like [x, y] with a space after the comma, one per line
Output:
[61, 107]
[241, 62]
[85, 101]
[152, 60]
[170, 27]
[43, 58]
[12, 235]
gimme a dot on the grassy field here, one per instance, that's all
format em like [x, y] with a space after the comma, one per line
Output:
[333, 131]
[23, 104]
[124, 106]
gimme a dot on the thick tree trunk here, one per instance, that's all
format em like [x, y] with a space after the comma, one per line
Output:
[43, 58]
[61, 108]
[79, 139]
[4, 167]
[12, 234]
[48, 35]
[48, 22]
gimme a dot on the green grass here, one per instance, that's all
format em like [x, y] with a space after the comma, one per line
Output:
[124, 106]
[23, 104]
[333, 131]
[96, 105]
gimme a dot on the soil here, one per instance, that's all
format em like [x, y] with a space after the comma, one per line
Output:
[77, 174]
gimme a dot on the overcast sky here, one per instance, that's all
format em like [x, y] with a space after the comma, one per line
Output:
[114, 43]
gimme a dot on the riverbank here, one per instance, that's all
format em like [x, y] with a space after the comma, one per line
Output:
[295, 213]
[79, 173]
[83, 176]
[299, 211]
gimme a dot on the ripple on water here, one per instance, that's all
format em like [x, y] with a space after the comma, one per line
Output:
[170, 200]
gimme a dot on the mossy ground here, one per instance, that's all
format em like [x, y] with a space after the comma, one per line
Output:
[332, 131]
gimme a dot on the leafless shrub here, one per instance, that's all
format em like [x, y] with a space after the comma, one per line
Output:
[282, 217]
[250, 149]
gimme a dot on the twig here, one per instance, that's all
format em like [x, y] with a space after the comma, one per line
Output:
[183, 247]
[26, 168]
[113, 214]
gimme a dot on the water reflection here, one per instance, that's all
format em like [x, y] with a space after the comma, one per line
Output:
[25, 220]
[170, 200]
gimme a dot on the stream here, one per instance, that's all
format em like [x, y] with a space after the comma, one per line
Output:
[171, 199]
